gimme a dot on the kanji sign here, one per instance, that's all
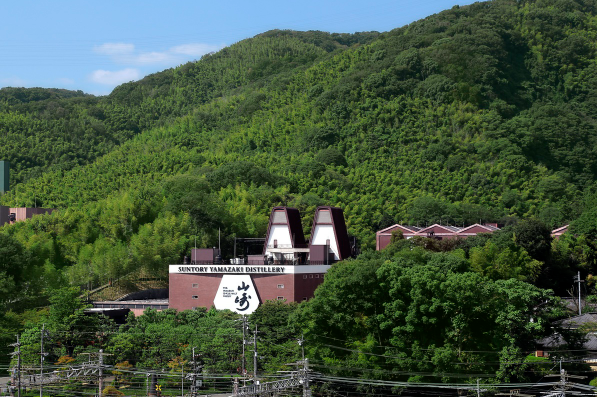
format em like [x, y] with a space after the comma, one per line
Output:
[237, 293]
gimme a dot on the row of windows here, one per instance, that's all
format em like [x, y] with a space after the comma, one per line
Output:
[279, 297]
[311, 276]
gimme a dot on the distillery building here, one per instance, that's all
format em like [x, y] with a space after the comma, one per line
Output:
[290, 268]
[12, 215]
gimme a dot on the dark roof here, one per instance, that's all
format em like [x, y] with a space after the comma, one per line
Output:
[293, 220]
[339, 230]
[556, 341]
[577, 321]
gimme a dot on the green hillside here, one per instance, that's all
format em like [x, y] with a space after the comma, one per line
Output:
[479, 113]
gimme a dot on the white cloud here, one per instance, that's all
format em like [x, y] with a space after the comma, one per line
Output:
[114, 49]
[152, 57]
[126, 54]
[107, 77]
[194, 49]
[13, 82]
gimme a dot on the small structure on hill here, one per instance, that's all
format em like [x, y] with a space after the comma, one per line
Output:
[13, 215]
[557, 233]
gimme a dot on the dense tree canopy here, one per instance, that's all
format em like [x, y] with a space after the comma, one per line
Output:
[476, 114]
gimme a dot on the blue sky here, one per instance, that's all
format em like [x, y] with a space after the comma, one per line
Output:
[95, 45]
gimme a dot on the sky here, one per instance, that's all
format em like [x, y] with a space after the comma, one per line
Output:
[96, 45]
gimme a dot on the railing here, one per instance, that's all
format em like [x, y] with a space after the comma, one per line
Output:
[264, 262]
[288, 246]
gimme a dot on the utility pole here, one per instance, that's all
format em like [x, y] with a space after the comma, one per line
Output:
[306, 389]
[41, 361]
[18, 354]
[478, 390]
[193, 375]
[563, 384]
[244, 370]
[578, 280]
[100, 372]
[301, 343]
[255, 355]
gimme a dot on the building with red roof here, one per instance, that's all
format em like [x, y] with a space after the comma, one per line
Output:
[437, 232]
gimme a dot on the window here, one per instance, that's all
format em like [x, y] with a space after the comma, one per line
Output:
[317, 276]
[275, 243]
[310, 276]
[195, 285]
[195, 297]
[279, 217]
[324, 216]
[280, 285]
[280, 298]
[304, 298]
[304, 276]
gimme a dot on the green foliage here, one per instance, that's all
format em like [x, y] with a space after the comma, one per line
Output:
[277, 336]
[421, 312]
[497, 262]
[484, 113]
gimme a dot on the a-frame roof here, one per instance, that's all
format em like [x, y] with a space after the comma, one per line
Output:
[337, 221]
[408, 229]
[438, 229]
[293, 220]
[474, 229]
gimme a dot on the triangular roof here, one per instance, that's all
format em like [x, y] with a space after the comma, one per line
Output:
[488, 228]
[409, 229]
[443, 229]
[337, 221]
[293, 221]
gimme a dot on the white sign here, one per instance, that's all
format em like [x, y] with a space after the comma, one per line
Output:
[248, 269]
[237, 293]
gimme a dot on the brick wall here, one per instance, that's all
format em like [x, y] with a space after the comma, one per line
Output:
[295, 288]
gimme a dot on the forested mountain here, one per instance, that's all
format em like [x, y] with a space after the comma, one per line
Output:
[479, 113]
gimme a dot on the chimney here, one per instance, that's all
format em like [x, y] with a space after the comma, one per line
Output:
[4, 176]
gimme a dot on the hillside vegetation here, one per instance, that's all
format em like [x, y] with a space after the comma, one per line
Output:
[479, 113]
[476, 114]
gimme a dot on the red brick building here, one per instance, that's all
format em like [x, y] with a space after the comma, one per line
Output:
[12, 215]
[290, 267]
[438, 232]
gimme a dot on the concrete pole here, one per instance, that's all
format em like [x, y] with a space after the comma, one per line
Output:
[41, 362]
[579, 305]
[255, 356]
[101, 372]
